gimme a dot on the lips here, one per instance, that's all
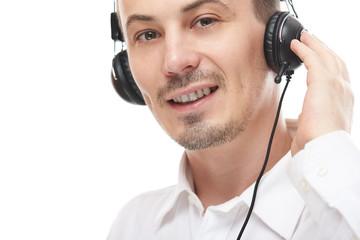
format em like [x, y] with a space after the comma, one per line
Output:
[193, 96]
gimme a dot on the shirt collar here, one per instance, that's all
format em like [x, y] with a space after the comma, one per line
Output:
[277, 200]
[278, 204]
[185, 184]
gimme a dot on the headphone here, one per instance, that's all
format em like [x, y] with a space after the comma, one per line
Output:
[280, 30]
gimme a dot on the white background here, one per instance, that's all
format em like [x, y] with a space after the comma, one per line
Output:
[71, 152]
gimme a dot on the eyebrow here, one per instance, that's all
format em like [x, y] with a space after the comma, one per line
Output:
[198, 3]
[147, 18]
[138, 17]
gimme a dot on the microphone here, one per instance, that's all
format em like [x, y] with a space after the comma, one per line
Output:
[283, 68]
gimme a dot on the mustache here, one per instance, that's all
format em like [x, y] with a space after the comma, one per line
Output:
[196, 76]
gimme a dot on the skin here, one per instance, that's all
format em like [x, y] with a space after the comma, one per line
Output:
[329, 100]
[167, 40]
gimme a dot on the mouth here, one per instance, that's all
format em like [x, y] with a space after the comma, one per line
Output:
[193, 96]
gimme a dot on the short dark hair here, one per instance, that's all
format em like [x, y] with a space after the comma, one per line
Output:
[264, 9]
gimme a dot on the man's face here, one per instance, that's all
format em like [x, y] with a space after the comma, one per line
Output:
[199, 65]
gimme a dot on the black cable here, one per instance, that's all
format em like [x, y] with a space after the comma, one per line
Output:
[288, 77]
[292, 7]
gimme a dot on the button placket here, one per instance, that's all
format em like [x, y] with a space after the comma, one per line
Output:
[322, 171]
[304, 185]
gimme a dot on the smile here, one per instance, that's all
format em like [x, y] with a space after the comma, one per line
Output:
[194, 96]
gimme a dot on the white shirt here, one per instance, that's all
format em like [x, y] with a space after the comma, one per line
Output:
[314, 195]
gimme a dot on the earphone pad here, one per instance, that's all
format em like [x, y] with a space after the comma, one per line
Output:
[123, 80]
[271, 49]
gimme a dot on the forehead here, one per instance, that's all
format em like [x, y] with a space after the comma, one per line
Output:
[164, 8]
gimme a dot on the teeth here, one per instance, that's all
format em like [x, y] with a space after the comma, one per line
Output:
[185, 98]
[206, 91]
[192, 96]
[199, 93]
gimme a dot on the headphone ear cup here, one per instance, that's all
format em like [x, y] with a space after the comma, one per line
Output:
[271, 37]
[281, 29]
[123, 80]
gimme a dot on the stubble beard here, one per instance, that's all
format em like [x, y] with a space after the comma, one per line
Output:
[199, 134]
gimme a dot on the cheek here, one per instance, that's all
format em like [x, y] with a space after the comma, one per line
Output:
[144, 75]
[246, 59]
[244, 65]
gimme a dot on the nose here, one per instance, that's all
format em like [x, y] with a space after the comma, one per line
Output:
[180, 56]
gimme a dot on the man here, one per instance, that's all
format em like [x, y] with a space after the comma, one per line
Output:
[201, 69]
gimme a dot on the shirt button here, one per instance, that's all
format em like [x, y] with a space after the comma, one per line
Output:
[191, 199]
[304, 185]
[322, 171]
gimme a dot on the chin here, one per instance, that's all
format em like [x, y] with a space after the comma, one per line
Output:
[202, 135]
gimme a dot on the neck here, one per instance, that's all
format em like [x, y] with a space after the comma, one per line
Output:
[223, 172]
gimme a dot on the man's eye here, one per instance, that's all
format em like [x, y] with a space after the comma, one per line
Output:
[204, 22]
[148, 36]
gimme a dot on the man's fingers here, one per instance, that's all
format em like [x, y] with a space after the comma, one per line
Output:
[313, 52]
[327, 56]
[307, 55]
[310, 58]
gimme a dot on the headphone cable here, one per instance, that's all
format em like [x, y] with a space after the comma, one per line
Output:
[288, 78]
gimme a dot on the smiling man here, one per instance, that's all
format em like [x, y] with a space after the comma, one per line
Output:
[200, 67]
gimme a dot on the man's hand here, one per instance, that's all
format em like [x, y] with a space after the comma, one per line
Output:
[329, 101]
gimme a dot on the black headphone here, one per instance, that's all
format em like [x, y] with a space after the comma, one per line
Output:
[280, 30]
